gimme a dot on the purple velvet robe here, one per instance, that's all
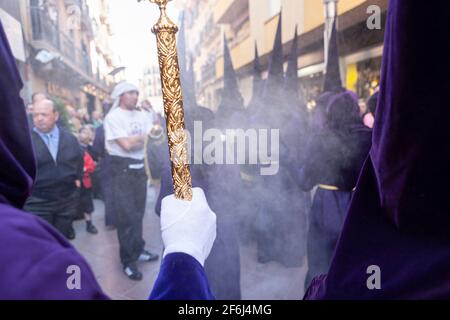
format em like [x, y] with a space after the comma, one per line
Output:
[399, 216]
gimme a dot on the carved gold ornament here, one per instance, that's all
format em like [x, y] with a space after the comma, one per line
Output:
[165, 31]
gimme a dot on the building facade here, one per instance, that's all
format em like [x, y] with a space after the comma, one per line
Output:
[249, 22]
[104, 62]
[65, 51]
[150, 87]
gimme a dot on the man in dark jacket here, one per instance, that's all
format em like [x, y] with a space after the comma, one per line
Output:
[59, 170]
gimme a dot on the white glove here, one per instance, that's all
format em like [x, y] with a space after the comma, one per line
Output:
[188, 226]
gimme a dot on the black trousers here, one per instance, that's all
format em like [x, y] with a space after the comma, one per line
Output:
[129, 188]
[85, 203]
[59, 213]
[107, 192]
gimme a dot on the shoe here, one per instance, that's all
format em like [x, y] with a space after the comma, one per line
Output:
[71, 234]
[91, 228]
[133, 272]
[147, 256]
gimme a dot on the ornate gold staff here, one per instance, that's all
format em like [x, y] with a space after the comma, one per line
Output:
[165, 31]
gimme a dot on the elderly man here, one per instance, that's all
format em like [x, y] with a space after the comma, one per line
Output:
[125, 131]
[35, 98]
[59, 170]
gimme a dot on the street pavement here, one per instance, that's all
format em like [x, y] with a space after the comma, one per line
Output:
[270, 281]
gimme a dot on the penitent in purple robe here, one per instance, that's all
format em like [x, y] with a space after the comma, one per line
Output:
[399, 217]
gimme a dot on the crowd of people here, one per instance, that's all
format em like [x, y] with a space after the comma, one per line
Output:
[68, 151]
[81, 156]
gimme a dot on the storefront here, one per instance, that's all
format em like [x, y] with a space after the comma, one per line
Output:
[363, 71]
[360, 73]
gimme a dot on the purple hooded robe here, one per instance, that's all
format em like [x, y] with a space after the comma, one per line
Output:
[399, 217]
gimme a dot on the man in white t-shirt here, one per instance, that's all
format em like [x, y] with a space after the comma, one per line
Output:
[126, 127]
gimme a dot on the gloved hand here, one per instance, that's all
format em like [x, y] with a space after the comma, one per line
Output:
[188, 226]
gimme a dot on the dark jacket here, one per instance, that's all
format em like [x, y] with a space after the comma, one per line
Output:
[57, 179]
[98, 147]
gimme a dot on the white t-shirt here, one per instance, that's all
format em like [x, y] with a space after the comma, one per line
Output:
[121, 123]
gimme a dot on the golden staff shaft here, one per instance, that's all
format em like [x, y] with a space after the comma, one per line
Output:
[165, 31]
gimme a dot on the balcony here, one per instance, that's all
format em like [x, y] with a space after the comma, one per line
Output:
[44, 29]
[226, 10]
[47, 35]
[241, 54]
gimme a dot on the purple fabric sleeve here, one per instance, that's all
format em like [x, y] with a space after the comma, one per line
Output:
[37, 263]
[181, 278]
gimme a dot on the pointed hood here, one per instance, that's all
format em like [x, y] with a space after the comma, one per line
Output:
[291, 78]
[258, 85]
[293, 97]
[230, 81]
[333, 78]
[257, 70]
[275, 80]
[231, 96]
[17, 168]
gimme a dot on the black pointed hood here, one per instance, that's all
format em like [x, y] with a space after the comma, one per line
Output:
[333, 80]
[231, 96]
[230, 82]
[275, 80]
[258, 85]
[257, 70]
[291, 79]
[295, 102]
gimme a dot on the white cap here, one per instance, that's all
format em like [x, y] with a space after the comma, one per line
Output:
[119, 90]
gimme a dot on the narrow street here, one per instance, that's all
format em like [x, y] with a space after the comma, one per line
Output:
[269, 281]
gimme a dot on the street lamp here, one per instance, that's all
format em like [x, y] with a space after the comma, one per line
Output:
[330, 10]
